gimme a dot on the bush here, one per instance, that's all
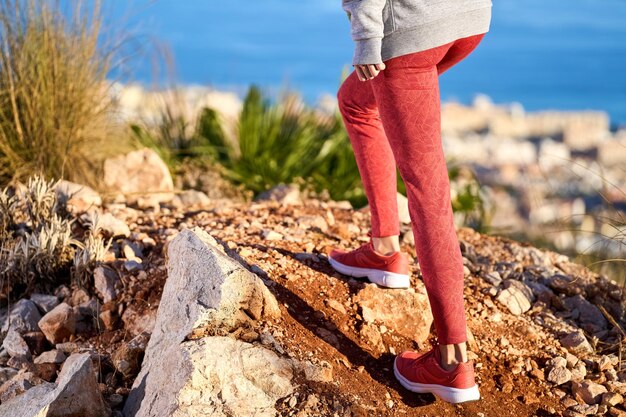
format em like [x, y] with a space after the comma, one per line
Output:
[38, 247]
[285, 142]
[54, 102]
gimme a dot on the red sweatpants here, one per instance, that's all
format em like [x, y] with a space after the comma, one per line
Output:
[395, 118]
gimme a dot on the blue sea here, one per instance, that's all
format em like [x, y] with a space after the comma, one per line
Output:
[544, 54]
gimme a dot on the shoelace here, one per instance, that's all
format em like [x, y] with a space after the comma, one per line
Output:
[434, 344]
[362, 247]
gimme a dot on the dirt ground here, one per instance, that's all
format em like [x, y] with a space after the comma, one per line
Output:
[322, 323]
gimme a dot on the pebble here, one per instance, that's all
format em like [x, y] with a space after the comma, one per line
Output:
[590, 392]
[576, 342]
[559, 375]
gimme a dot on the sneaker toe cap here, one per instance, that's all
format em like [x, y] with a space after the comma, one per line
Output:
[337, 254]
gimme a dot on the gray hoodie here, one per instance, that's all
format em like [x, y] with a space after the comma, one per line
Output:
[384, 29]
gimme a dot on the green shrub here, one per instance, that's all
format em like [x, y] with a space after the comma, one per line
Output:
[288, 142]
[54, 104]
[277, 143]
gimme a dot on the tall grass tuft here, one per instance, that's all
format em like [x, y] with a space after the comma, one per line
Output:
[54, 100]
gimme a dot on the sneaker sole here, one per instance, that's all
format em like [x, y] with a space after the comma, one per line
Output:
[449, 394]
[378, 277]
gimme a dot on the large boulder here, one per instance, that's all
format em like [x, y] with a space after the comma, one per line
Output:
[75, 393]
[405, 312]
[207, 295]
[141, 176]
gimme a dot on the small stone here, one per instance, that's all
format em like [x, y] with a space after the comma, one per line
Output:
[15, 345]
[493, 278]
[131, 251]
[271, 235]
[372, 336]
[611, 399]
[104, 282]
[576, 342]
[127, 358]
[588, 391]
[45, 302]
[79, 296]
[516, 296]
[579, 372]
[282, 193]
[604, 363]
[585, 409]
[59, 324]
[568, 401]
[538, 373]
[132, 266]
[559, 375]
[23, 317]
[322, 372]
[572, 360]
[558, 361]
[336, 305]
[113, 226]
[51, 356]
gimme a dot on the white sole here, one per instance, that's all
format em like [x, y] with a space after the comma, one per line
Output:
[449, 394]
[378, 277]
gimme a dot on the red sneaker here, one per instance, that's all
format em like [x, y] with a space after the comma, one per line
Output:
[424, 373]
[390, 271]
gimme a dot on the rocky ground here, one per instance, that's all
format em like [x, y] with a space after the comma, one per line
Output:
[254, 321]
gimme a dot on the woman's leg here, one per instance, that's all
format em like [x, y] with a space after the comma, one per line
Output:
[407, 94]
[373, 155]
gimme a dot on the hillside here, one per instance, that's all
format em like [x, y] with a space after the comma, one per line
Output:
[545, 332]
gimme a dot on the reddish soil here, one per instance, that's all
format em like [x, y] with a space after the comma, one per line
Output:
[509, 351]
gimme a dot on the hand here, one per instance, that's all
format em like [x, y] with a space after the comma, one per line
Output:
[368, 72]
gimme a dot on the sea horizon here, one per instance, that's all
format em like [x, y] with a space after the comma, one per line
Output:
[542, 55]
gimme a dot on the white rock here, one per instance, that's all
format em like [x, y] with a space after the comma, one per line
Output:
[113, 226]
[588, 391]
[191, 198]
[406, 312]
[559, 375]
[516, 296]
[206, 293]
[140, 175]
[78, 197]
[284, 194]
[51, 356]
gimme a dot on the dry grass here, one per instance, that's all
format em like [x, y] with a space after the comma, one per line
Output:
[39, 247]
[55, 106]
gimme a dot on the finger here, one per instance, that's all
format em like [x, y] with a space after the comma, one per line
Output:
[373, 69]
[359, 72]
[381, 66]
[366, 71]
